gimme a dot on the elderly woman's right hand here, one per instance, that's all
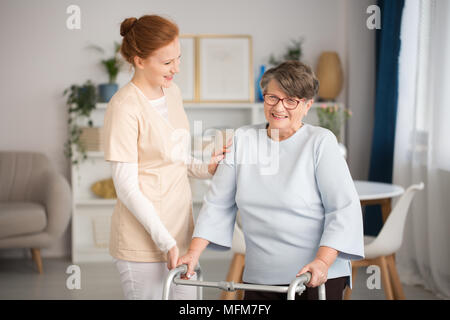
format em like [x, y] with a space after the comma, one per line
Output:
[319, 266]
[191, 259]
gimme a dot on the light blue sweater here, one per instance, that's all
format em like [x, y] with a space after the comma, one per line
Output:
[293, 197]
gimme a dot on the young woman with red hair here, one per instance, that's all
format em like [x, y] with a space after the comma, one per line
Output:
[145, 128]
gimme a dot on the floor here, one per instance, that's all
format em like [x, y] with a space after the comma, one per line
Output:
[19, 280]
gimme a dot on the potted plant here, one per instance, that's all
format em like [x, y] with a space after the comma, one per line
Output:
[333, 117]
[293, 52]
[112, 66]
[81, 101]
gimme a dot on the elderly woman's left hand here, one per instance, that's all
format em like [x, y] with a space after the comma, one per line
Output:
[319, 272]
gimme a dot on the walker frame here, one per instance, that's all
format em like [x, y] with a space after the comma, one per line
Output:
[296, 286]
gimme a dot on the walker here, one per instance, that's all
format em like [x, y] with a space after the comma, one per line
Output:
[296, 286]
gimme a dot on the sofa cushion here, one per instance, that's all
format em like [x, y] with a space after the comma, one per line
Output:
[18, 218]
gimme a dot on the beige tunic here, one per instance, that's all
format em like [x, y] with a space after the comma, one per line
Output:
[135, 132]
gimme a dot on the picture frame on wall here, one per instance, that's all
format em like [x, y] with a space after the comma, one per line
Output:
[225, 68]
[186, 78]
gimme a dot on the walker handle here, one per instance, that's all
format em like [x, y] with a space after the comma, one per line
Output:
[179, 271]
[302, 280]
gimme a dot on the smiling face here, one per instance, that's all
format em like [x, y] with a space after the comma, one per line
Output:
[159, 68]
[287, 121]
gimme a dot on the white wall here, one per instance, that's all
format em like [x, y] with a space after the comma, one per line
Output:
[40, 57]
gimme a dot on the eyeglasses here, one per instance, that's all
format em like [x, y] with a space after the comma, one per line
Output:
[288, 103]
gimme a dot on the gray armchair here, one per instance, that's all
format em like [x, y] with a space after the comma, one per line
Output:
[35, 202]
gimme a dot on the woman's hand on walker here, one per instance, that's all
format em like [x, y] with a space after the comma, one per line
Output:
[191, 259]
[217, 156]
[172, 257]
[319, 272]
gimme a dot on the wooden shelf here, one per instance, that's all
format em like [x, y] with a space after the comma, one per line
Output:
[95, 202]
[224, 105]
[95, 154]
[257, 105]
[101, 105]
[216, 105]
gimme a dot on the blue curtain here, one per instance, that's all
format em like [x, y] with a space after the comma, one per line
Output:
[382, 153]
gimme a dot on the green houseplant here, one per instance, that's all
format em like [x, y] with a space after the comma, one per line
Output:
[333, 117]
[112, 66]
[293, 52]
[81, 101]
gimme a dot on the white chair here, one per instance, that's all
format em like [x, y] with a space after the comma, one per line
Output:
[380, 250]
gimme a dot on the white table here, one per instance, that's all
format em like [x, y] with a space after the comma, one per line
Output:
[378, 193]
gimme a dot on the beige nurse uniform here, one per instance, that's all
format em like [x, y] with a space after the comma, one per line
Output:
[135, 132]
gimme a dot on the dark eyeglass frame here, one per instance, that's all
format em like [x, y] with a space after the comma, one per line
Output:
[282, 101]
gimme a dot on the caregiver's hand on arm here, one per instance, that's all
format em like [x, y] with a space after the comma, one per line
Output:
[217, 156]
[319, 266]
[198, 169]
[191, 257]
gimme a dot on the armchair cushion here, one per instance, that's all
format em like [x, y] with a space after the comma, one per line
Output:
[20, 218]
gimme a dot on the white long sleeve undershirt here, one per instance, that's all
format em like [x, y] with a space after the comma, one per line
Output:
[126, 183]
[125, 178]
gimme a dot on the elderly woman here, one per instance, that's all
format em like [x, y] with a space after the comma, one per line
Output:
[302, 215]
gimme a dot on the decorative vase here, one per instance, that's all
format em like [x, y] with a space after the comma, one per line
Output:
[329, 74]
[259, 93]
[106, 91]
[104, 189]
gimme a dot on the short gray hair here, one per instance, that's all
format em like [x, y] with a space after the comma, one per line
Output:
[295, 78]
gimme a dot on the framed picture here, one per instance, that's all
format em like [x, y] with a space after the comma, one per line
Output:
[225, 68]
[186, 78]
